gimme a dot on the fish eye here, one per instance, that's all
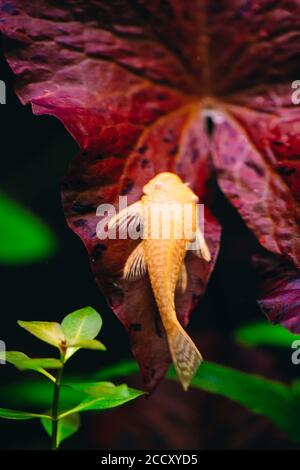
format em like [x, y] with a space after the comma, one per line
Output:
[158, 185]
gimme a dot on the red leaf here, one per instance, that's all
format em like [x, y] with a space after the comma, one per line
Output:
[134, 81]
[250, 180]
[279, 291]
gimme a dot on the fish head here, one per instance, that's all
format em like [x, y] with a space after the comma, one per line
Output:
[172, 185]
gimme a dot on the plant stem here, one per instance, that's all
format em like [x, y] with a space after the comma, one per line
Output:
[55, 407]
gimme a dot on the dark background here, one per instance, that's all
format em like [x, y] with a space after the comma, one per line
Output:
[35, 152]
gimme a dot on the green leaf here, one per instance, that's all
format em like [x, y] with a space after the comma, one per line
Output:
[81, 325]
[46, 363]
[102, 396]
[121, 369]
[271, 399]
[13, 414]
[296, 387]
[23, 237]
[100, 389]
[259, 395]
[50, 332]
[66, 426]
[22, 362]
[91, 344]
[38, 395]
[263, 333]
[80, 328]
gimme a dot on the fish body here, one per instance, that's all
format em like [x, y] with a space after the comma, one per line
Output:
[167, 212]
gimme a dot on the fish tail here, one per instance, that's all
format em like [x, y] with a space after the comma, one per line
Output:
[185, 355]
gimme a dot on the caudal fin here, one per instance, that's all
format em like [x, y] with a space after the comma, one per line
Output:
[185, 355]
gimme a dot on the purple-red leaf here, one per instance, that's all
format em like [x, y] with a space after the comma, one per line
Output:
[279, 296]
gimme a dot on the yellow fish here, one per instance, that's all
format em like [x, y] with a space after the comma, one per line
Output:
[167, 215]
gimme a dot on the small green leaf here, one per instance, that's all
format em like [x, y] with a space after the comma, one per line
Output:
[50, 332]
[23, 237]
[66, 426]
[102, 396]
[80, 328]
[70, 352]
[23, 362]
[264, 333]
[13, 414]
[91, 344]
[81, 325]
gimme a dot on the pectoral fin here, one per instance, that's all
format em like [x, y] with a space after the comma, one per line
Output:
[135, 266]
[182, 279]
[127, 215]
[202, 249]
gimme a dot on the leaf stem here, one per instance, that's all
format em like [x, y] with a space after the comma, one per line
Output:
[55, 406]
[47, 374]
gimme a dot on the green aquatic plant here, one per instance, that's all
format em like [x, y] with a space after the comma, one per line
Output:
[78, 330]
[23, 237]
[263, 334]
[277, 401]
